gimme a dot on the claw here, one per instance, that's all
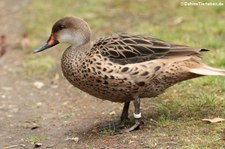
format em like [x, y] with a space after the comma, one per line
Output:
[136, 126]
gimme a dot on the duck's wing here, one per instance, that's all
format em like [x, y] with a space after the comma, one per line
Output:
[127, 49]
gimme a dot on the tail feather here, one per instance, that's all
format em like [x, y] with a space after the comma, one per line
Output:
[208, 71]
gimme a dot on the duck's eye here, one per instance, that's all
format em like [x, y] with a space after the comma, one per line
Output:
[60, 27]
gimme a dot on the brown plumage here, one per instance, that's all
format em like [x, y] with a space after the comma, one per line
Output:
[122, 67]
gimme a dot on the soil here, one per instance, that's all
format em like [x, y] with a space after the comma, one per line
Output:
[55, 115]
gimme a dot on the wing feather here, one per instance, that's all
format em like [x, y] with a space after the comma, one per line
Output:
[125, 49]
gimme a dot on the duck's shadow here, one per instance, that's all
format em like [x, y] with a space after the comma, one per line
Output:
[113, 128]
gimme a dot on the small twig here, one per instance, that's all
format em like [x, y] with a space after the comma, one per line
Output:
[11, 146]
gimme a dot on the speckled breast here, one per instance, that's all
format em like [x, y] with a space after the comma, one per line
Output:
[89, 75]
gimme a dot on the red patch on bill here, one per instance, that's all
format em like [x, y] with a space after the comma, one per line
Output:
[51, 41]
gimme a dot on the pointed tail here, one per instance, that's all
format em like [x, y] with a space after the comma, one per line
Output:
[208, 71]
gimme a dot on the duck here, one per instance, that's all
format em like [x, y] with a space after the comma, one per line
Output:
[122, 67]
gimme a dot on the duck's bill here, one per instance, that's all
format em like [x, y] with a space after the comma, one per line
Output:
[50, 43]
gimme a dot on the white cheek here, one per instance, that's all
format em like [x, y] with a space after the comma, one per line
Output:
[73, 38]
[66, 37]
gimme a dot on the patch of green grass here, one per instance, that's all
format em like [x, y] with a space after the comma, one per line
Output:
[35, 106]
[40, 16]
[178, 115]
[67, 115]
[76, 90]
[34, 139]
[187, 135]
[158, 19]
[39, 65]
[191, 104]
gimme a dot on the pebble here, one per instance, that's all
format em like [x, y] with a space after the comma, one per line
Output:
[75, 139]
[37, 144]
[38, 84]
[112, 113]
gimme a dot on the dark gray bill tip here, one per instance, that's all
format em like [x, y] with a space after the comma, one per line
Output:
[50, 43]
[45, 46]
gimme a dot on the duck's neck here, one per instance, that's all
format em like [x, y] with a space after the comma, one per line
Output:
[82, 49]
[74, 53]
[72, 59]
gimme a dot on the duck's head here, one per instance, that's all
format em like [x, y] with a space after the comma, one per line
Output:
[71, 30]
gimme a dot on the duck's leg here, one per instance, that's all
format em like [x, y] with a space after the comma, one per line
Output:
[124, 115]
[137, 115]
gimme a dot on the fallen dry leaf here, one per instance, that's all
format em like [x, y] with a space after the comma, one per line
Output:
[214, 120]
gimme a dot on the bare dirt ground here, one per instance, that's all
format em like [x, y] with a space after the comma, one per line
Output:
[55, 115]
